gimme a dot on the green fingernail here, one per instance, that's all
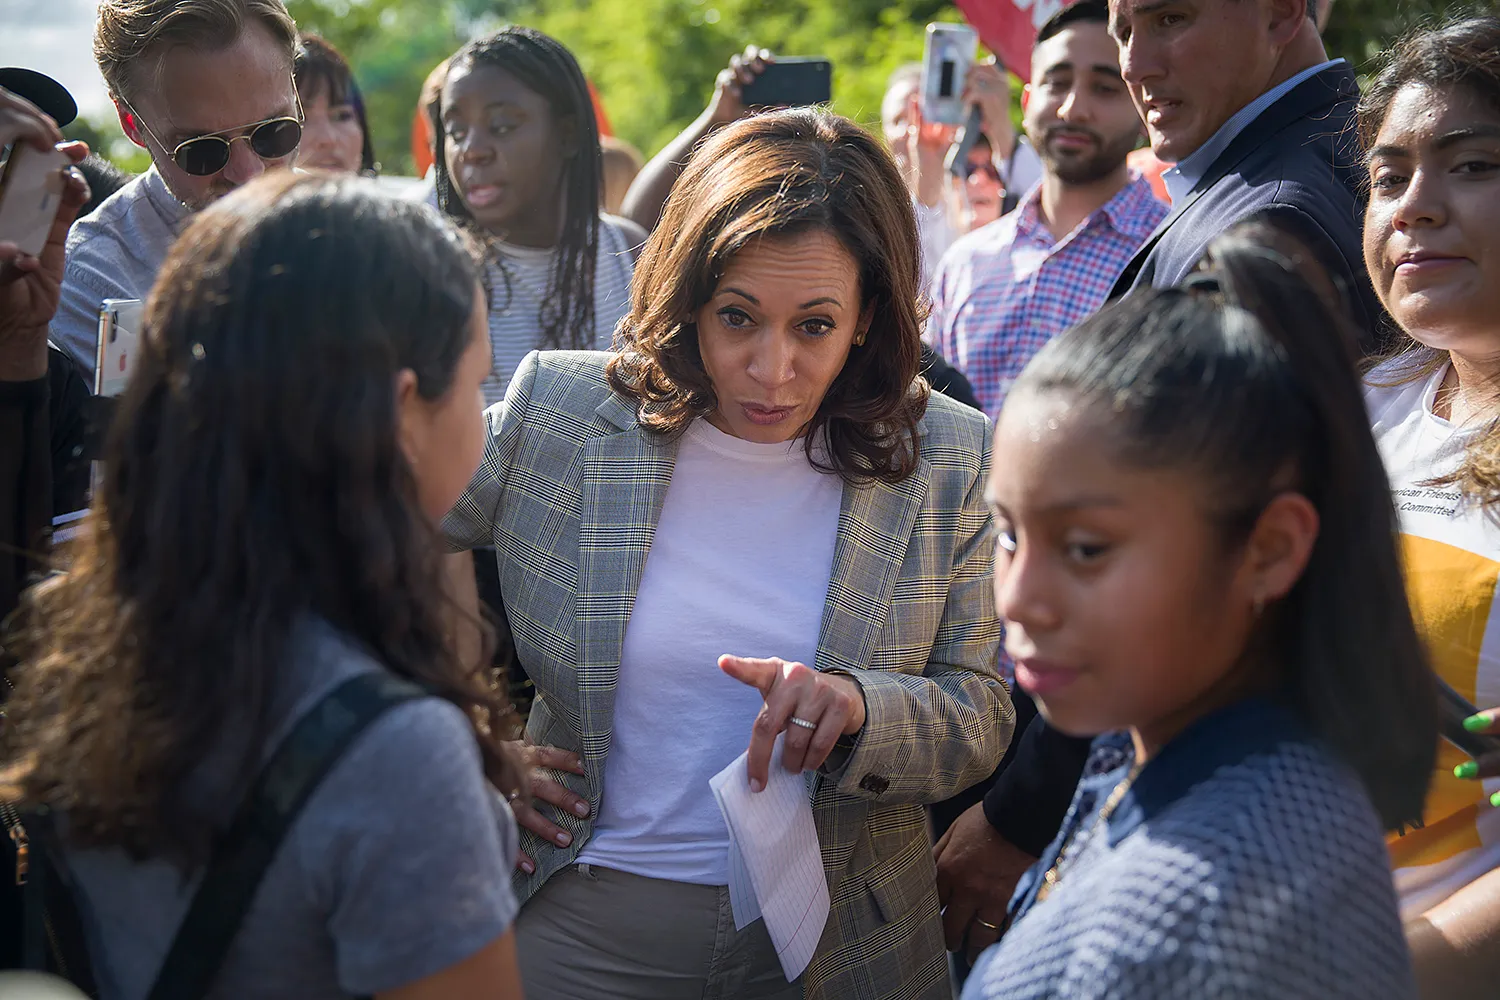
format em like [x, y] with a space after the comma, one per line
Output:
[1476, 723]
[1495, 800]
[1468, 770]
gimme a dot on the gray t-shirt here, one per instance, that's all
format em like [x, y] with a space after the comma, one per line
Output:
[114, 253]
[397, 868]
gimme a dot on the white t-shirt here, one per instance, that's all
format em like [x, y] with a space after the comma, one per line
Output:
[1451, 549]
[739, 564]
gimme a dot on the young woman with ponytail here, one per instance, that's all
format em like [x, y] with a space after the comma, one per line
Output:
[1431, 125]
[1195, 556]
[518, 163]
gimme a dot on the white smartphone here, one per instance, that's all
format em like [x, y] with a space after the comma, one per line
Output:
[949, 53]
[119, 335]
[31, 190]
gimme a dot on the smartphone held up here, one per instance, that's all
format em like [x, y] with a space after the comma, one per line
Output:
[950, 51]
[32, 186]
[791, 82]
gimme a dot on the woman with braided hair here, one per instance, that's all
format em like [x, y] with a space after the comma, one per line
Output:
[518, 162]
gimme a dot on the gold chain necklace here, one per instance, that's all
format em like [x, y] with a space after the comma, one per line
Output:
[1052, 877]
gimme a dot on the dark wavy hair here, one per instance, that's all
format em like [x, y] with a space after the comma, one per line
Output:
[1462, 57]
[1246, 378]
[1462, 53]
[319, 67]
[774, 175]
[545, 66]
[253, 482]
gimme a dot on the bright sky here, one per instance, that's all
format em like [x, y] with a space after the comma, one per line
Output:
[57, 38]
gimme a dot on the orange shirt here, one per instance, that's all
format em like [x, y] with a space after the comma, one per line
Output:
[1145, 163]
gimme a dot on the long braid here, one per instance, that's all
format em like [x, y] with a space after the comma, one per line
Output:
[545, 66]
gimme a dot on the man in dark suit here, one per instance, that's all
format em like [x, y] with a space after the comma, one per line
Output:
[1241, 97]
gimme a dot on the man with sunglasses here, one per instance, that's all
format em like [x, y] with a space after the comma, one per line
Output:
[205, 86]
[1004, 290]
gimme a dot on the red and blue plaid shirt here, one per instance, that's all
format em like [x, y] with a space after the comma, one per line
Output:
[1004, 290]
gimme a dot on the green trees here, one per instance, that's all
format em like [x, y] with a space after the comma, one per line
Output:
[653, 61]
[1359, 29]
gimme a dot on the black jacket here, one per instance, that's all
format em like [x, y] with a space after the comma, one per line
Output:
[1298, 165]
[46, 444]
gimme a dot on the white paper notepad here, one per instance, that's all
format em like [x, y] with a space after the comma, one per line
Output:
[775, 867]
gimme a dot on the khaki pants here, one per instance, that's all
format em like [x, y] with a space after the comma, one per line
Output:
[592, 933]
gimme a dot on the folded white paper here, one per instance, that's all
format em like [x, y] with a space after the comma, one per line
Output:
[775, 867]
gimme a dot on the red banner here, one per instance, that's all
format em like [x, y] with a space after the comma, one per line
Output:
[1008, 27]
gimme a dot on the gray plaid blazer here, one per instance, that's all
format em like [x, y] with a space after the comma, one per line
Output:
[569, 494]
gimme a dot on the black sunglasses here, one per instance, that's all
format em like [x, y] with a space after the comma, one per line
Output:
[988, 169]
[205, 155]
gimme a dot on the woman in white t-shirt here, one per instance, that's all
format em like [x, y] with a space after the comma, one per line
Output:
[518, 162]
[1432, 245]
[751, 524]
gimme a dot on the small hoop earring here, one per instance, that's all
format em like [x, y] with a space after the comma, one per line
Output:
[859, 340]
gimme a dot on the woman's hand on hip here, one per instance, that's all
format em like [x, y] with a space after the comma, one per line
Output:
[814, 709]
[548, 790]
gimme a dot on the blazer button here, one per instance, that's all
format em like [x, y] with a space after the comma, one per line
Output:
[874, 783]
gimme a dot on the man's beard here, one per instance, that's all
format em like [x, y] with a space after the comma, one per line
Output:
[199, 200]
[219, 189]
[1074, 171]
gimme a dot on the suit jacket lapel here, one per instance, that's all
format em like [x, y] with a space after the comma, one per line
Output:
[625, 479]
[875, 525]
[1316, 94]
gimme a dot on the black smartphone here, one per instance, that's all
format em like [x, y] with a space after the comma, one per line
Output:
[791, 82]
[1454, 709]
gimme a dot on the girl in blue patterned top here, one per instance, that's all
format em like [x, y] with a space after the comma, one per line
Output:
[1197, 557]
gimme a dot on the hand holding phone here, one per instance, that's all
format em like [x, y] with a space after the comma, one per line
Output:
[31, 271]
[32, 187]
[949, 53]
[728, 105]
[22, 121]
[1454, 709]
[988, 88]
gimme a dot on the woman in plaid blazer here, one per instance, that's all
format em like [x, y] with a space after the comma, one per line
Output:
[759, 472]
